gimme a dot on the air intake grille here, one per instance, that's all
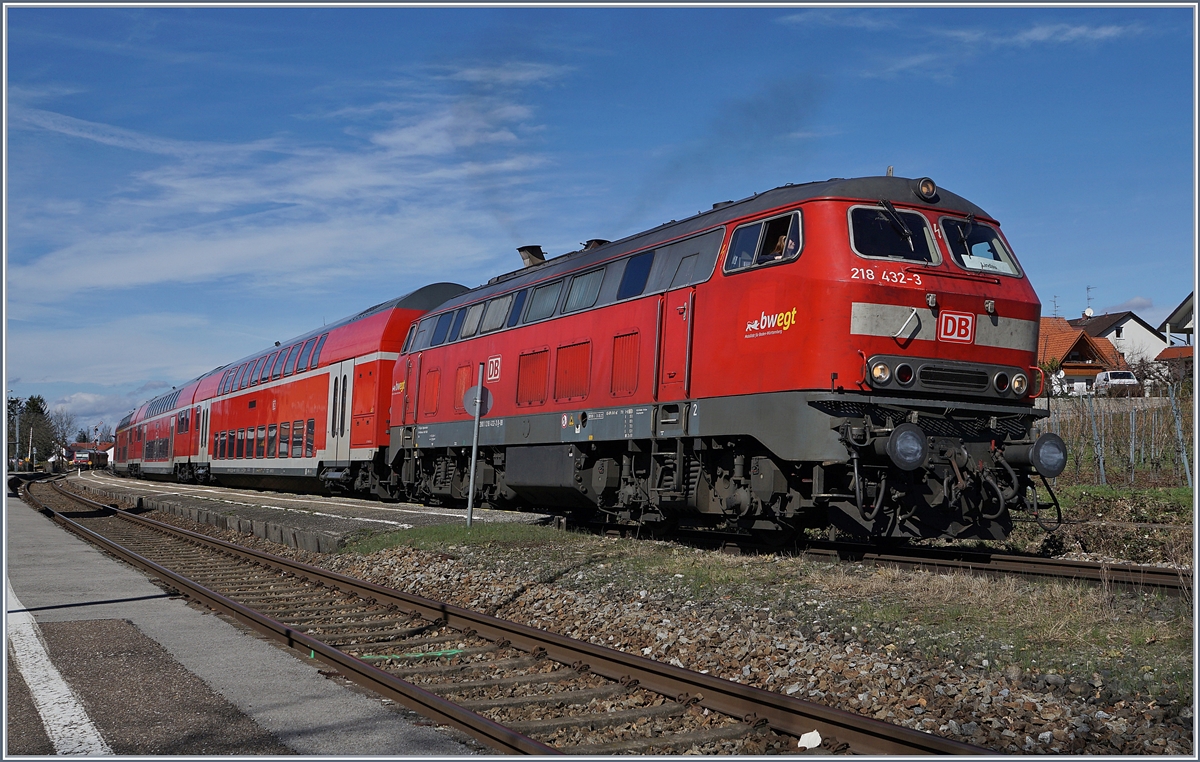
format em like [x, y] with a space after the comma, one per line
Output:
[936, 377]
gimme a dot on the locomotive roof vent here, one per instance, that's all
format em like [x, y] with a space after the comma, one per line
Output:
[532, 255]
[594, 243]
[721, 204]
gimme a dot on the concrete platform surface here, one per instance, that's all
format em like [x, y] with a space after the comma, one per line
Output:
[311, 522]
[158, 676]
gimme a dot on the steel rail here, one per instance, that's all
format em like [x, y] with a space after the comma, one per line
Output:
[1166, 579]
[782, 713]
[422, 701]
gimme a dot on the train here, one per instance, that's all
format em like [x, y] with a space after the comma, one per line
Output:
[856, 356]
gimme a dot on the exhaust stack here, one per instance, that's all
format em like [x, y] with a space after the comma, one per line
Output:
[532, 255]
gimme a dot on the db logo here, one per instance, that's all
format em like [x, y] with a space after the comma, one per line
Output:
[493, 368]
[956, 326]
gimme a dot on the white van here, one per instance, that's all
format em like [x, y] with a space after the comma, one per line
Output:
[1116, 382]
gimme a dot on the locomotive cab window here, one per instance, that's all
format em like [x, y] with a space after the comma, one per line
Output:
[977, 247]
[884, 232]
[761, 243]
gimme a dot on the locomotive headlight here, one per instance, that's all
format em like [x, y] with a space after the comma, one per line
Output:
[1001, 382]
[880, 373]
[907, 446]
[1020, 384]
[926, 189]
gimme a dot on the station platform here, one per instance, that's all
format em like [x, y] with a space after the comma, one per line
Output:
[102, 661]
[310, 522]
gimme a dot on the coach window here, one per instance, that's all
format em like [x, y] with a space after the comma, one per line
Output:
[978, 247]
[441, 328]
[637, 272]
[496, 314]
[241, 443]
[302, 363]
[316, 355]
[884, 232]
[543, 301]
[221, 445]
[471, 321]
[298, 439]
[290, 364]
[271, 441]
[265, 373]
[518, 304]
[310, 435]
[584, 290]
[260, 443]
[277, 371]
[285, 431]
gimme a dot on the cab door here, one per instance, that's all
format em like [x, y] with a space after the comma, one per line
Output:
[675, 344]
[412, 374]
[341, 383]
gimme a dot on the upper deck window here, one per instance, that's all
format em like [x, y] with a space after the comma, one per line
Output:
[302, 363]
[977, 247]
[887, 233]
[759, 243]
[316, 355]
[265, 373]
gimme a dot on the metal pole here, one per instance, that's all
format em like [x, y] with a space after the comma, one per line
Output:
[1179, 436]
[1099, 448]
[1132, 443]
[475, 445]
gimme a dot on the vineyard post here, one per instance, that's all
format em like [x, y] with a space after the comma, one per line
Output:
[1099, 448]
[1132, 441]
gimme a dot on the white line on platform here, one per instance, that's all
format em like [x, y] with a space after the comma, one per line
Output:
[67, 723]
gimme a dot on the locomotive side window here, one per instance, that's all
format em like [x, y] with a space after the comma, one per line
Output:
[495, 314]
[760, 243]
[456, 329]
[637, 271]
[518, 303]
[683, 273]
[408, 340]
[471, 321]
[424, 330]
[977, 247]
[441, 328]
[543, 301]
[584, 290]
[886, 233]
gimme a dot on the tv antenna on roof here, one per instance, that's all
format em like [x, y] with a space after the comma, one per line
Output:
[1054, 299]
[1090, 289]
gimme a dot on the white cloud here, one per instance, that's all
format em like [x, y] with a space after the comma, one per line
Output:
[1136, 304]
[1050, 33]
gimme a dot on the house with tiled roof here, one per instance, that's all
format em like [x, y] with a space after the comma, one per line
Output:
[1180, 320]
[1177, 362]
[1079, 355]
[1134, 338]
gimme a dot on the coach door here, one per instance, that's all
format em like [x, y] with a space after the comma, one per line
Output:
[201, 425]
[341, 383]
[674, 366]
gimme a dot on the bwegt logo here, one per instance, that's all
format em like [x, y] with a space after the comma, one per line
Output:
[783, 320]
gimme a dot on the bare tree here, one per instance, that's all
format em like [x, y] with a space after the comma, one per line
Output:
[62, 429]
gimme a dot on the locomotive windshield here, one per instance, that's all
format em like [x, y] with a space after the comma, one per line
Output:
[877, 232]
[975, 246]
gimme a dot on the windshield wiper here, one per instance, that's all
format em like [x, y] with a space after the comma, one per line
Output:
[965, 231]
[898, 223]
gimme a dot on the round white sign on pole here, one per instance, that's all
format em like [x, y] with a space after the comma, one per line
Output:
[468, 400]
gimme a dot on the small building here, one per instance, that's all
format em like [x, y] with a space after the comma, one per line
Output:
[1134, 338]
[1079, 355]
[1179, 321]
[1176, 362]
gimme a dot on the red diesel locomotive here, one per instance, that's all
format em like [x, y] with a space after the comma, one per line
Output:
[854, 354]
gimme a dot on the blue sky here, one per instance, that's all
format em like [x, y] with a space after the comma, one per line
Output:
[187, 185]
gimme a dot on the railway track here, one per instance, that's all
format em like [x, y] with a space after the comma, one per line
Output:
[513, 687]
[1166, 579]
